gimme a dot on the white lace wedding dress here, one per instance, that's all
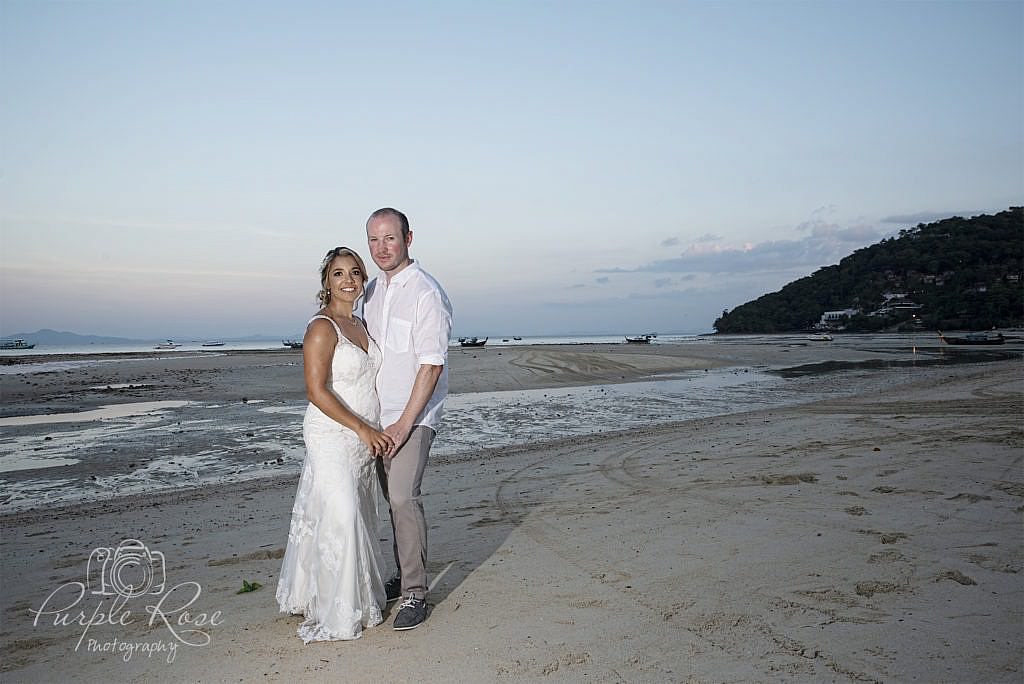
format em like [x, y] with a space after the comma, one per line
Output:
[331, 569]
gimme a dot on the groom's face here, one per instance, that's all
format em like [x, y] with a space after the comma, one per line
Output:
[389, 249]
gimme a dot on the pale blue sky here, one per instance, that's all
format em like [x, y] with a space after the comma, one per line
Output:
[177, 169]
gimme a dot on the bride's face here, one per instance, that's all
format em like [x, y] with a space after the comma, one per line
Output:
[345, 279]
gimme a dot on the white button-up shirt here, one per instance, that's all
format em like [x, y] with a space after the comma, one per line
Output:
[410, 318]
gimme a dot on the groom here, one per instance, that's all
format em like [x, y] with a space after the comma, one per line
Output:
[409, 315]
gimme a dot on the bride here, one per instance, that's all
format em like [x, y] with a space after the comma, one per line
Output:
[331, 569]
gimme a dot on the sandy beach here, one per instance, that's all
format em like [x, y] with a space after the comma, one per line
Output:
[872, 533]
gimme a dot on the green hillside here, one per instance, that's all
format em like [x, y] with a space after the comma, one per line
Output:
[954, 274]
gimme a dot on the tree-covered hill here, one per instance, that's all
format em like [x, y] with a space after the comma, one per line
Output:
[953, 274]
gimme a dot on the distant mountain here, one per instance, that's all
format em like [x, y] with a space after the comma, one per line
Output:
[952, 274]
[64, 338]
[50, 337]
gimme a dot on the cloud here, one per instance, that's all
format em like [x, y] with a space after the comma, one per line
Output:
[823, 244]
[860, 234]
[675, 242]
[662, 282]
[603, 280]
[929, 216]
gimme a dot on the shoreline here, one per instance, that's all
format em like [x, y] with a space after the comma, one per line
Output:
[199, 375]
[169, 495]
[158, 424]
[864, 537]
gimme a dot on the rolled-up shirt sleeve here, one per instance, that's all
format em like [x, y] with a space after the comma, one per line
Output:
[432, 330]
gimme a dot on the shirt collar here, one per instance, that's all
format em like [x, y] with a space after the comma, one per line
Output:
[402, 276]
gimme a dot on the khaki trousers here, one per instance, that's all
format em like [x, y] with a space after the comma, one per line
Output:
[400, 479]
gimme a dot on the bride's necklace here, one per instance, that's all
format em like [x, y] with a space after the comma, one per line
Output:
[342, 319]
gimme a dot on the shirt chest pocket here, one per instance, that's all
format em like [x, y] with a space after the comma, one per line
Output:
[399, 335]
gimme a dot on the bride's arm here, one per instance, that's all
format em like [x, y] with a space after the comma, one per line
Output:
[317, 353]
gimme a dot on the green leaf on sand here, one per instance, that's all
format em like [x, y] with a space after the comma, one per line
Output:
[248, 586]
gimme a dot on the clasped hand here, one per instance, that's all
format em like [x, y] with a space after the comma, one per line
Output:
[379, 442]
[385, 443]
[398, 435]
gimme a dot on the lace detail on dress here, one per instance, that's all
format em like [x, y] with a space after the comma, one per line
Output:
[331, 568]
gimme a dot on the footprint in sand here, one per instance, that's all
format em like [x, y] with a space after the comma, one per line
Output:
[888, 556]
[266, 554]
[886, 537]
[971, 498]
[788, 479]
[956, 576]
[869, 589]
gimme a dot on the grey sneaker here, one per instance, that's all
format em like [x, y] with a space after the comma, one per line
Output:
[412, 612]
[393, 588]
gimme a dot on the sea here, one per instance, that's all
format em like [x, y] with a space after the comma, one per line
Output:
[144, 346]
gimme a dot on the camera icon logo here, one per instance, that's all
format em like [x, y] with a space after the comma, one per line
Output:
[129, 570]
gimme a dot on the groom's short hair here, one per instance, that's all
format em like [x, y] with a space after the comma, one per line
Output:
[393, 213]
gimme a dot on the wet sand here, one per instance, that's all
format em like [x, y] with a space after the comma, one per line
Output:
[277, 374]
[874, 536]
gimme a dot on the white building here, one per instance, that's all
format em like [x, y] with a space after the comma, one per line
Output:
[831, 319]
[894, 303]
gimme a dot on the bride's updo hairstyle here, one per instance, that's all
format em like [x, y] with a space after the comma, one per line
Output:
[324, 295]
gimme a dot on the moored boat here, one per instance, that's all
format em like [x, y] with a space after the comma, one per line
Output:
[292, 344]
[169, 344]
[9, 343]
[472, 341]
[639, 339]
[213, 343]
[989, 337]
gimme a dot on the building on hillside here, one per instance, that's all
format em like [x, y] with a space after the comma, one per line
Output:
[895, 302]
[833, 320]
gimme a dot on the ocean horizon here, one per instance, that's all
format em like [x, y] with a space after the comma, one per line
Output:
[144, 346]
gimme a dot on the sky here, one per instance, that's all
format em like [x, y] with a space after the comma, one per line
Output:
[178, 169]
